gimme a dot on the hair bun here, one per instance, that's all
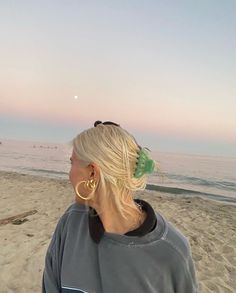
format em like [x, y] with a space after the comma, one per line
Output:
[97, 122]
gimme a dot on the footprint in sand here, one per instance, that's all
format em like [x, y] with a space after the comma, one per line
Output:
[228, 249]
[231, 260]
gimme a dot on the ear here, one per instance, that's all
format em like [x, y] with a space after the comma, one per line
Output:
[94, 171]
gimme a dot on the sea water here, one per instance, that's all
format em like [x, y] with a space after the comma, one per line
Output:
[178, 174]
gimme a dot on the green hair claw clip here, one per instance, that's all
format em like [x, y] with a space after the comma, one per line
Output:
[144, 164]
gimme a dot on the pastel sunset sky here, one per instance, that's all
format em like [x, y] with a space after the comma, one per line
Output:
[164, 70]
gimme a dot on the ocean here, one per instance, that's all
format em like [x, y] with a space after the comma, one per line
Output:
[179, 174]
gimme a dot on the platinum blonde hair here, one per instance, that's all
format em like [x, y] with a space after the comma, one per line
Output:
[115, 151]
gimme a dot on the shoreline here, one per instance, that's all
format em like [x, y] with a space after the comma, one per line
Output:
[191, 193]
[172, 191]
[209, 225]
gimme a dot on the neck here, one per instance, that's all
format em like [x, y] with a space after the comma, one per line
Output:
[114, 222]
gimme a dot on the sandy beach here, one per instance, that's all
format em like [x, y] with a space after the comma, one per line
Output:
[210, 227]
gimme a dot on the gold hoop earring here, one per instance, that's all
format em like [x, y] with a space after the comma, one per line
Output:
[91, 184]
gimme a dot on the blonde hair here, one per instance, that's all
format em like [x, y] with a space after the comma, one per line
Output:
[115, 151]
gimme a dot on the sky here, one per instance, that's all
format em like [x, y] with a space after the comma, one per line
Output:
[163, 70]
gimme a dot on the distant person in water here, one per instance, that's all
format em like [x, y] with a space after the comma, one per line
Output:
[107, 241]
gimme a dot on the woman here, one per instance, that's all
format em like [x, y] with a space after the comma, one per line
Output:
[108, 242]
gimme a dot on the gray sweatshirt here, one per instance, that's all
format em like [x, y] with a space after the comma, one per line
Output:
[158, 262]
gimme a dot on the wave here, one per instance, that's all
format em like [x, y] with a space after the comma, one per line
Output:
[46, 171]
[220, 184]
[176, 190]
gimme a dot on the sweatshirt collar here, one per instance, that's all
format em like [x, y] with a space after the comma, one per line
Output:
[97, 230]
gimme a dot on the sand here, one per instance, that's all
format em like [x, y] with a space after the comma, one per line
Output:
[210, 227]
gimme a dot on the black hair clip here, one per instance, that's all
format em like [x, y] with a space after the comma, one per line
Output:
[105, 123]
[115, 124]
